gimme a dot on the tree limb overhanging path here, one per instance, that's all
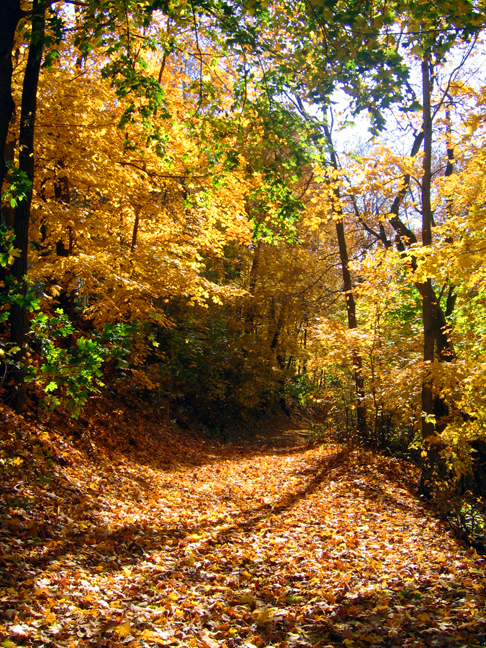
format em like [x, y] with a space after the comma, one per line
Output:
[162, 539]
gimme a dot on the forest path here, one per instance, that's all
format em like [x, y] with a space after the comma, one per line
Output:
[287, 545]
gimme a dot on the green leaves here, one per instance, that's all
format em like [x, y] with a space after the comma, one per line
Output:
[277, 200]
[19, 186]
[49, 58]
[130, 79]
[71, 370]
[74, 371]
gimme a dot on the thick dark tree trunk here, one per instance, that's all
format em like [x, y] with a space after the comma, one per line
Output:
[19, 322]
[10, 14]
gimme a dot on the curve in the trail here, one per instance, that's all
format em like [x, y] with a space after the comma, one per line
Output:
[289, 546]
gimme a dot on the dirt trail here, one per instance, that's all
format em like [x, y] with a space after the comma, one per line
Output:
[205, 545]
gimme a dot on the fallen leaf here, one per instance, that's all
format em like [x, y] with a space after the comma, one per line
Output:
[207, 640]
[123, 630]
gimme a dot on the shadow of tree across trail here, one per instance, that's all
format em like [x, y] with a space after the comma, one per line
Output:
[284, 545]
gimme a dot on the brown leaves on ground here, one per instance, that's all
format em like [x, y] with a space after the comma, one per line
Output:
[147, 539]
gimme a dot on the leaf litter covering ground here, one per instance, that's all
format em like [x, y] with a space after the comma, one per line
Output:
[176, 541]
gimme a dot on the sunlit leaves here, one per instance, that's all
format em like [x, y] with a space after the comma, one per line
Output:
[175, 540]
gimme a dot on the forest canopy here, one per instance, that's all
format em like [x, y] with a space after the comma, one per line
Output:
[228, 207]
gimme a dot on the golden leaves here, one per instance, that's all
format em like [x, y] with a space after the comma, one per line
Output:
[123, 630]
[269, 561]
[121, 271]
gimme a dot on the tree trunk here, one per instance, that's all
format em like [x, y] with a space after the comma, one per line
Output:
[430, 405]
[10, 14]
[19, 322]
[254, 269]
[350, 305]
[135, 232]
[249, 315]
[428, 301]
[437, 342]
[352, 324]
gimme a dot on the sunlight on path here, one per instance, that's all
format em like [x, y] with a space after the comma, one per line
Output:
[291, 546]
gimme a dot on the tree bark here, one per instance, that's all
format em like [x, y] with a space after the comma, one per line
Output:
[352, 324]
[406, 237]
[10, 14]
[437, 343]
[249, 314]
[350, 304]
[135, 232]
[428, 298]
[19, 322]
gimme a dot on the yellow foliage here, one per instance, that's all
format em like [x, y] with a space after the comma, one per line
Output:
[126, 227]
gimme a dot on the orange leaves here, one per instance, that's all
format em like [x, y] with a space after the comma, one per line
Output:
[286, 545]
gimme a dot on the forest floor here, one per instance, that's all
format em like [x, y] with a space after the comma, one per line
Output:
[118, 531]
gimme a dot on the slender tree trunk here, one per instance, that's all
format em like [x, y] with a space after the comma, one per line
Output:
[432, 406]
[254, 269]
[428, 297]
[350, 305]
[10, 14]
[135, 232]
[437, 341]
[19, 322]
[249, 315]
[406, 237]
[352, 324]
[8, 212]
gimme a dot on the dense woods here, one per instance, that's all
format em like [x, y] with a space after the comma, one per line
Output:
[221, 212]
[188, 212]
